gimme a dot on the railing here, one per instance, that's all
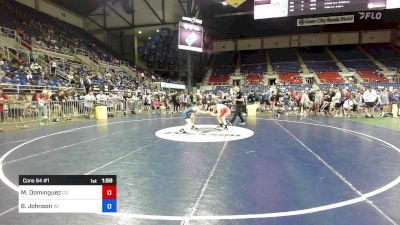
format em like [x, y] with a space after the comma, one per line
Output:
[10, 33]
[123, 63]
[61, 74]
[80, 51]
[107, 64]
[6, 47]
[18, 88]
[19, 114]
[7, 52]
[7, 32]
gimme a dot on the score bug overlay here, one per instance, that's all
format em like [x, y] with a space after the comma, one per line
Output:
[67, 194]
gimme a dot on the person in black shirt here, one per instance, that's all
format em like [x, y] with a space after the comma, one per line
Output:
[175, 102]
[240, 106]
[251, 99]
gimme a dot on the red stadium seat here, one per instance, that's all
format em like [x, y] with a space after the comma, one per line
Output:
[330, 77]
[290, 78]
[372, 76]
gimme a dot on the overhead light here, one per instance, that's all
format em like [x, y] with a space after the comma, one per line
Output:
[158, 31]
[140, 32]
[149, 38]
[224, 3]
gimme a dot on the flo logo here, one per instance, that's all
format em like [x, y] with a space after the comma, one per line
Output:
[205, 133]
[370, 15]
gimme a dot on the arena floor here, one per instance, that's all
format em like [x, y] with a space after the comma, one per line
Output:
[290, 171]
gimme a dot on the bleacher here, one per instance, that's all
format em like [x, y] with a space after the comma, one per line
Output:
[254, 79]
[50, 34]
[384, 53]
[284, 60]
[161, 52]
[347, 52]
[353, 58]
[330, 77]
[372, 76]
[290, 78]
[253, 66]
[360, 64]
[225, 64]
[35, 26]
[317, 60]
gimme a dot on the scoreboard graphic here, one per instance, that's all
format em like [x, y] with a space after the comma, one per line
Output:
[190, 36]
[264, 9]
[67, 194]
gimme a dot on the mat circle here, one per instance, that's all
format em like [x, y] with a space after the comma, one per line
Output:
[204, 133]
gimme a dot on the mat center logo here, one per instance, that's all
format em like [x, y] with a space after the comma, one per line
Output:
[204, 133]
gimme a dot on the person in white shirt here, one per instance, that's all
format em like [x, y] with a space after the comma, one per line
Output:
[369, 97]
[304, 104]
[110, 104]
[89, 103]
[119, 102]
[101, 98]
[134, 103]
[348, 106]
[336, 100]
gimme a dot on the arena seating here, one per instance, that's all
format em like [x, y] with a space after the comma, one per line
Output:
[314, 54]
[35, 26]
[161, 51]
[372, 76]
[290, 78]
[225, 64]
[360, 64]
[223, 70]
[347, 52]
[253, 66]
[218, 79]
[353, 58]
[316, 59]
[254, 79]
[251, 57]
[384, 53]
[330, 77]
[52, 34]
[284, 60]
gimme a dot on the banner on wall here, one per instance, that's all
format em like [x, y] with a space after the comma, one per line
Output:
[173, 86]
[318, 21]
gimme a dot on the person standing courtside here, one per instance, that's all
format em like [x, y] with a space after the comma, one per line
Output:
[369, 97]
[239, 106]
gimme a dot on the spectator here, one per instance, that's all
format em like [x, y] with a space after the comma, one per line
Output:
[35, 56]
[53, 67]
[58, 100]
[88, 103]
[17, 109]
[101, 98]
[4, 99]
[369, 97]
[384, 101]
[336, 101]
[395, 100]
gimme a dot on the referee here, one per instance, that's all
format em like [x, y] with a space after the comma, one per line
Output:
[240, 107]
